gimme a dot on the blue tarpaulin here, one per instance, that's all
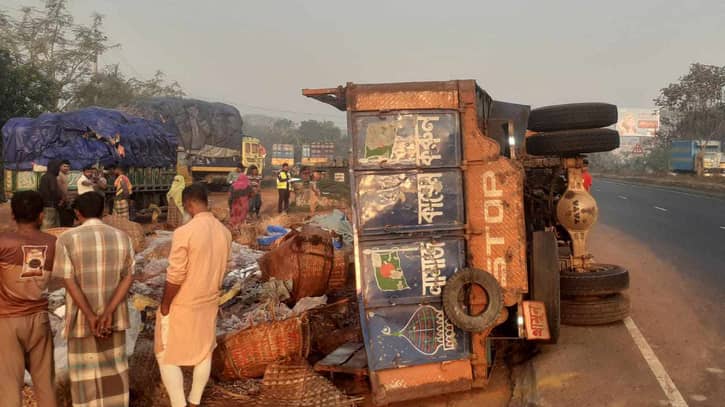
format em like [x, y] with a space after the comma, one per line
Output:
[86, 137]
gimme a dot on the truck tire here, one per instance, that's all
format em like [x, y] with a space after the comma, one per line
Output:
[453, 294]
[572, 142]
[594, 310]
[572, 116]
[601, 279]
[545, 278]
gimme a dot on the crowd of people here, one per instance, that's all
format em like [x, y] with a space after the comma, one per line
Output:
[57, 200]
[96, 263]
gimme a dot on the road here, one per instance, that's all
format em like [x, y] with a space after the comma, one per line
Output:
[672, 351]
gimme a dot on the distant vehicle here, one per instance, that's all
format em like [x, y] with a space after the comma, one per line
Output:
[318, 154]
[683, 156]
[212, 164]
[282, 154]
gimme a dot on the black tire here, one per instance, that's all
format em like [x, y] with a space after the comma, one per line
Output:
[602, 279]
[454, 308]
[571, 142]
[545, 278]
[572, 116]
[594, 310]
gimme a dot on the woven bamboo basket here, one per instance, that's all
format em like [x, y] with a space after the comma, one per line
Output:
[56, 231]
[133, 230]
[339, 272]
[245, 354]
[305, 258]
[296, 384]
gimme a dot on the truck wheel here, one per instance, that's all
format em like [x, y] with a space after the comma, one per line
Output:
[572, 116]
[453, 295]
[545, 278]
[594, 310]
[601, 279]
[571, 142]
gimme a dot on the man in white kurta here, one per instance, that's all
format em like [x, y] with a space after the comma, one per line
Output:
[186, 323]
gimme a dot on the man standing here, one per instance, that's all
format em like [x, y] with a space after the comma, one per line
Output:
[26, 259]
[97, 264]
[85, 182]
[50, 191]
[186, 321]
[124, 189]
[283, 189]
[255, 181]
[65, 212]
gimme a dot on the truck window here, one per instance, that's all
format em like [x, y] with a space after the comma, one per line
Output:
[247, 148]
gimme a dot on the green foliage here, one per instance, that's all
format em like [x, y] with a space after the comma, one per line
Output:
[48, 40]
[111, 89]
[694, 106]
[24, 90]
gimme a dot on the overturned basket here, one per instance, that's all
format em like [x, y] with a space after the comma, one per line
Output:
[246, 353]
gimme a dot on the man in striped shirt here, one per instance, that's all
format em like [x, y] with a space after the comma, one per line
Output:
[97, 263]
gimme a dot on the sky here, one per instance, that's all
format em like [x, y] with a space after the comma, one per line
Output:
[258, 55]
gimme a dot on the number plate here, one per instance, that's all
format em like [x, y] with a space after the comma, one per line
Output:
[535, 323]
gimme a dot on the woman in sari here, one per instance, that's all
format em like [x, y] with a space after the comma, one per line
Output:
[240, 200]
[176, 215]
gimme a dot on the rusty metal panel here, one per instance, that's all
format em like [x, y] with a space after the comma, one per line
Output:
[494, 205]
[405, 201]
[419, 382]
[409, 271]
[402, 96]
[406, 139]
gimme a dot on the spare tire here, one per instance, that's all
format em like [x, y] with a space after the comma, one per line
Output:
[572, 142]
[454, 308]
[572, 116]
[594, 310]
[600, 279]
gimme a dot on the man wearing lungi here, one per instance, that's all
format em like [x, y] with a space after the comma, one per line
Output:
[186, 322]
[97, 263]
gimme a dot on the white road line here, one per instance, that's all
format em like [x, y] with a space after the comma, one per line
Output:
[666, 383]
[622, 197]
[660, 209]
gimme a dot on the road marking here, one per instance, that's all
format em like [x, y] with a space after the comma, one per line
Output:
[622, 197]
[660, 209]
[722, 227]
[666, 383]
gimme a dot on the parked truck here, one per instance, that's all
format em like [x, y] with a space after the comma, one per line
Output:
[282, 154]
[94, 136]
[683, 157]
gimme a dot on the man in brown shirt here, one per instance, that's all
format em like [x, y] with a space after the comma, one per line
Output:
[26, 259]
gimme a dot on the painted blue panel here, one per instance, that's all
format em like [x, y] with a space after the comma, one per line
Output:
[406, 139]
[408, 335]
[409, 201]
[408, 271]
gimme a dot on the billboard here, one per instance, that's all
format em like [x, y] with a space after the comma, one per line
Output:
[637, 122]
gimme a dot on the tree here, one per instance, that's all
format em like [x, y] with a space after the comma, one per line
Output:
[49, 40]
[24, 90]
[694, 107]
[110, 88]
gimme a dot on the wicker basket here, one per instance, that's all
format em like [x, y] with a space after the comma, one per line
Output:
[133, 230]
[296, 384]
[339, 273]
[246, 353]
[304, 257]
[56, 231]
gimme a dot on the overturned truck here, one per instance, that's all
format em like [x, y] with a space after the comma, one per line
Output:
[462, 236]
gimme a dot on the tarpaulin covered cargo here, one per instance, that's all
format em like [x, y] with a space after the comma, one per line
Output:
[86, 137]
[196, 122]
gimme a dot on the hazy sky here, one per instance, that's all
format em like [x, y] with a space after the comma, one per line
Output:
[257, 55]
